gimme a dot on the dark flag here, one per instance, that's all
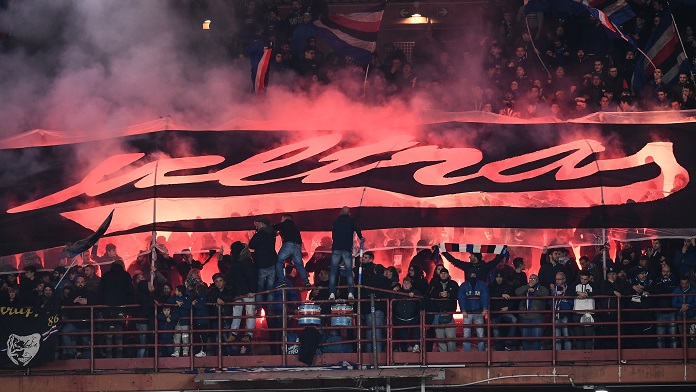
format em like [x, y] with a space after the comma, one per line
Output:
[76, 248]
[28, 338]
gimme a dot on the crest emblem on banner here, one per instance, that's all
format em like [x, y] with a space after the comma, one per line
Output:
[22, 349]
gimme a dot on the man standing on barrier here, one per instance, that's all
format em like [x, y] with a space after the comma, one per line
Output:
[291, 249]
[342, 250]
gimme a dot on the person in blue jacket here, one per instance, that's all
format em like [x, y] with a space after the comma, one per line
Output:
[182, 307]
[685, 303]
[473, 301]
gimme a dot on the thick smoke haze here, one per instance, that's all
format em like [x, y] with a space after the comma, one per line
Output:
[94, 65]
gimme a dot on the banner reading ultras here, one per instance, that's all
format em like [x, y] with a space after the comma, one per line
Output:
[28, 338]
[461, 175]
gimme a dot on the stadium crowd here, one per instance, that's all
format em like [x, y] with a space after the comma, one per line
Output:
[651, 284]
[524, 65]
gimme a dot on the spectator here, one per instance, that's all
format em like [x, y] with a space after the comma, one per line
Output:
[77, 316]
[550, 266]
[144, 293]
[27, 285]
[201, 322]
[663, 286]
[115, 290]
[378, 285]
[291, 248]
[220, 296]
[584, 304]
[181, 305]
[264, 257]
[418, 280]
[166, 322]
[502, 318]
[531, 332]
[407, 315]
[685, 259]
[443, 292]
[640, 301]
[476, 263]
[685, 303]
[242, 280]
[562, 305]
[473, 301]
[342, 249]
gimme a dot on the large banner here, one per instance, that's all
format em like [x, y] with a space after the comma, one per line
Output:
[27, 338]
[451, 175]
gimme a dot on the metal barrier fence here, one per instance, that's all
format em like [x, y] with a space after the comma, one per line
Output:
[613, 332]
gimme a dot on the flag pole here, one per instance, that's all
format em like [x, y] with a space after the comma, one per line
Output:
[529, 31]
[153, 243]
[676, 30]
[367, 70]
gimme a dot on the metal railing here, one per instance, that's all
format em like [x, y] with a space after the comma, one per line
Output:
[112, 333]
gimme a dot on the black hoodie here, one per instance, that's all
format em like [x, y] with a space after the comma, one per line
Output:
[116, 286]
[263, 245]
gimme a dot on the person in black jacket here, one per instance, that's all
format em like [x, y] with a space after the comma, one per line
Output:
[502, 305]
[47, 303]
[476, 263]
[27, 286]
[443, 292]
[666, 316]
[77, 319]
[342, 249]
[291, 249]
[380, 282]
[551, 265]
[407, 309]
[220, 295]
[614, 288]
[115, 289]
[144, 313]
[242, 279]
[264, 256]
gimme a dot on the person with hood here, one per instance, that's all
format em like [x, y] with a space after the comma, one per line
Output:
[291, 249]
[443, 293]
[342, 249]
[264, 256]
[473, 301]
[501, 308]
[115, 290]
[181, 306]
[242, 279]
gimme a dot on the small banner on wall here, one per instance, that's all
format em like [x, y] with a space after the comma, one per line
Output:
[28, 338]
